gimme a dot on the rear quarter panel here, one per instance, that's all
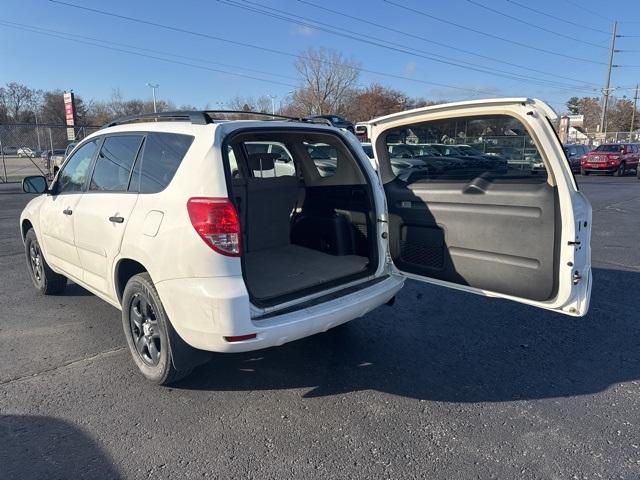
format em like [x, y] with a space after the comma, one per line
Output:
[171, 248]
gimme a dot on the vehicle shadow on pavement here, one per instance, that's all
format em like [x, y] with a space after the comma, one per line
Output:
[38, 447]
[443, 345]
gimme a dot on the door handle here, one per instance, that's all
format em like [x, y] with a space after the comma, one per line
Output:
[116, 219]
[67, 211]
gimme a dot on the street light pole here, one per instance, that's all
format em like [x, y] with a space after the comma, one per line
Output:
[153, 87]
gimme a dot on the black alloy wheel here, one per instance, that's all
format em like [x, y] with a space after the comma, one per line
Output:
[35, 262]
[44, 279]
[145, 329]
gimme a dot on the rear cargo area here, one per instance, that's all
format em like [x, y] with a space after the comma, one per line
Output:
[277, 271]
[306, 212]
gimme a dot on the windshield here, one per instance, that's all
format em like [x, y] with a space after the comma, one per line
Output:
[610, 148]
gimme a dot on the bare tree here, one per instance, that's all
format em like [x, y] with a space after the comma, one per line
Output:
[374, 101]
[619, 115]
[328, 82]
[17, 101]
[250, 104]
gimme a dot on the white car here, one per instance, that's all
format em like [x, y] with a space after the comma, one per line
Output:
[146, 214]
[27, 152]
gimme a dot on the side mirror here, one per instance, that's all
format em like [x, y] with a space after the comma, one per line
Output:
[34, 184]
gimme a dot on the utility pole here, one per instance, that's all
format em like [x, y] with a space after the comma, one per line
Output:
[633, 114]
[605, 92]
[153, 87]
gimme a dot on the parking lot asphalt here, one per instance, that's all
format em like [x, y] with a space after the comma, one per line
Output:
[442, 385]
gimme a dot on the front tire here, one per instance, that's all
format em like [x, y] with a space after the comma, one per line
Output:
[44, 279]
[620, 171]
[583, 172]
[145, 325]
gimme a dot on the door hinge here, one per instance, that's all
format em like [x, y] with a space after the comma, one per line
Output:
[576, 277]
[574, 242]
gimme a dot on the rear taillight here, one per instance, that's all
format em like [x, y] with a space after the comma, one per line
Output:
[217, 223]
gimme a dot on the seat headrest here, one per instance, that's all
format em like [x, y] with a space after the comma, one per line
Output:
[262, 161]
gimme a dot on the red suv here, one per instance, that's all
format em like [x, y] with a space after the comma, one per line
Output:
[615, 158]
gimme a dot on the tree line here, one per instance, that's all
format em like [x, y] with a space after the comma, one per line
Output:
[329, 83]
[619, 113]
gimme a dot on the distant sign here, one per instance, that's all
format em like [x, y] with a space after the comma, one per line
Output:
[70, 115]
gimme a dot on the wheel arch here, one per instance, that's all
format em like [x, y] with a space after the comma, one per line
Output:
[25, 226]
[124, 270]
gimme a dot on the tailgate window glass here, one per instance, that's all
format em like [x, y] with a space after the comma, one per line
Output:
[496, 147]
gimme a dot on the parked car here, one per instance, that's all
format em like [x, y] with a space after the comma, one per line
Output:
[146, 214]
[611, 158]
[59, 156]
[9, 150]
[362, 132]
[574, 153]
[47, 155]
[28, 152]
[472, 159]
[338, 122]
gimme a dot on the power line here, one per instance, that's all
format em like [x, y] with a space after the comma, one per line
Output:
[43, 30]
[441, 44]
[257, 47]
[121, 50]
[491, 35]
[548, 30]
[593, 12]
[560, 19]
[360, 37]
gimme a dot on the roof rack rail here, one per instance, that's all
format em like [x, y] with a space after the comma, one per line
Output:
[211, 113]
[195, 117]
[203, 117]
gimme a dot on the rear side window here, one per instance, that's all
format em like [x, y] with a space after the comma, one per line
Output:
[324, 156]
[114, 163]
[160, 158]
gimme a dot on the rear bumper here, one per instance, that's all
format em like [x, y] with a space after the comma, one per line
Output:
[205, 310]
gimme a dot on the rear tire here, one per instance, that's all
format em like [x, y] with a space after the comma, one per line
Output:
[44, 279]
[620, 171]
[145, 325]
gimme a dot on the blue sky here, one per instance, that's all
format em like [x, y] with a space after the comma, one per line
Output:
[47, 62]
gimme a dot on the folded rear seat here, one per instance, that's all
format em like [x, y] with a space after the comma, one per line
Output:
[271, 200]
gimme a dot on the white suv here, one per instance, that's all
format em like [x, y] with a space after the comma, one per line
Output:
[183, 222]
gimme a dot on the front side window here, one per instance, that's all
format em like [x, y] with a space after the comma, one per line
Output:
[74, 174]
[161, 156]
[461, 149]
[114, 162]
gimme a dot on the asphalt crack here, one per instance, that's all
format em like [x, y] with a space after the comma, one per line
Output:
[103, 354]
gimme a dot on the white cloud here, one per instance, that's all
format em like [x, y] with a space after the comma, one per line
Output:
[303, 30]
[410, 68]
